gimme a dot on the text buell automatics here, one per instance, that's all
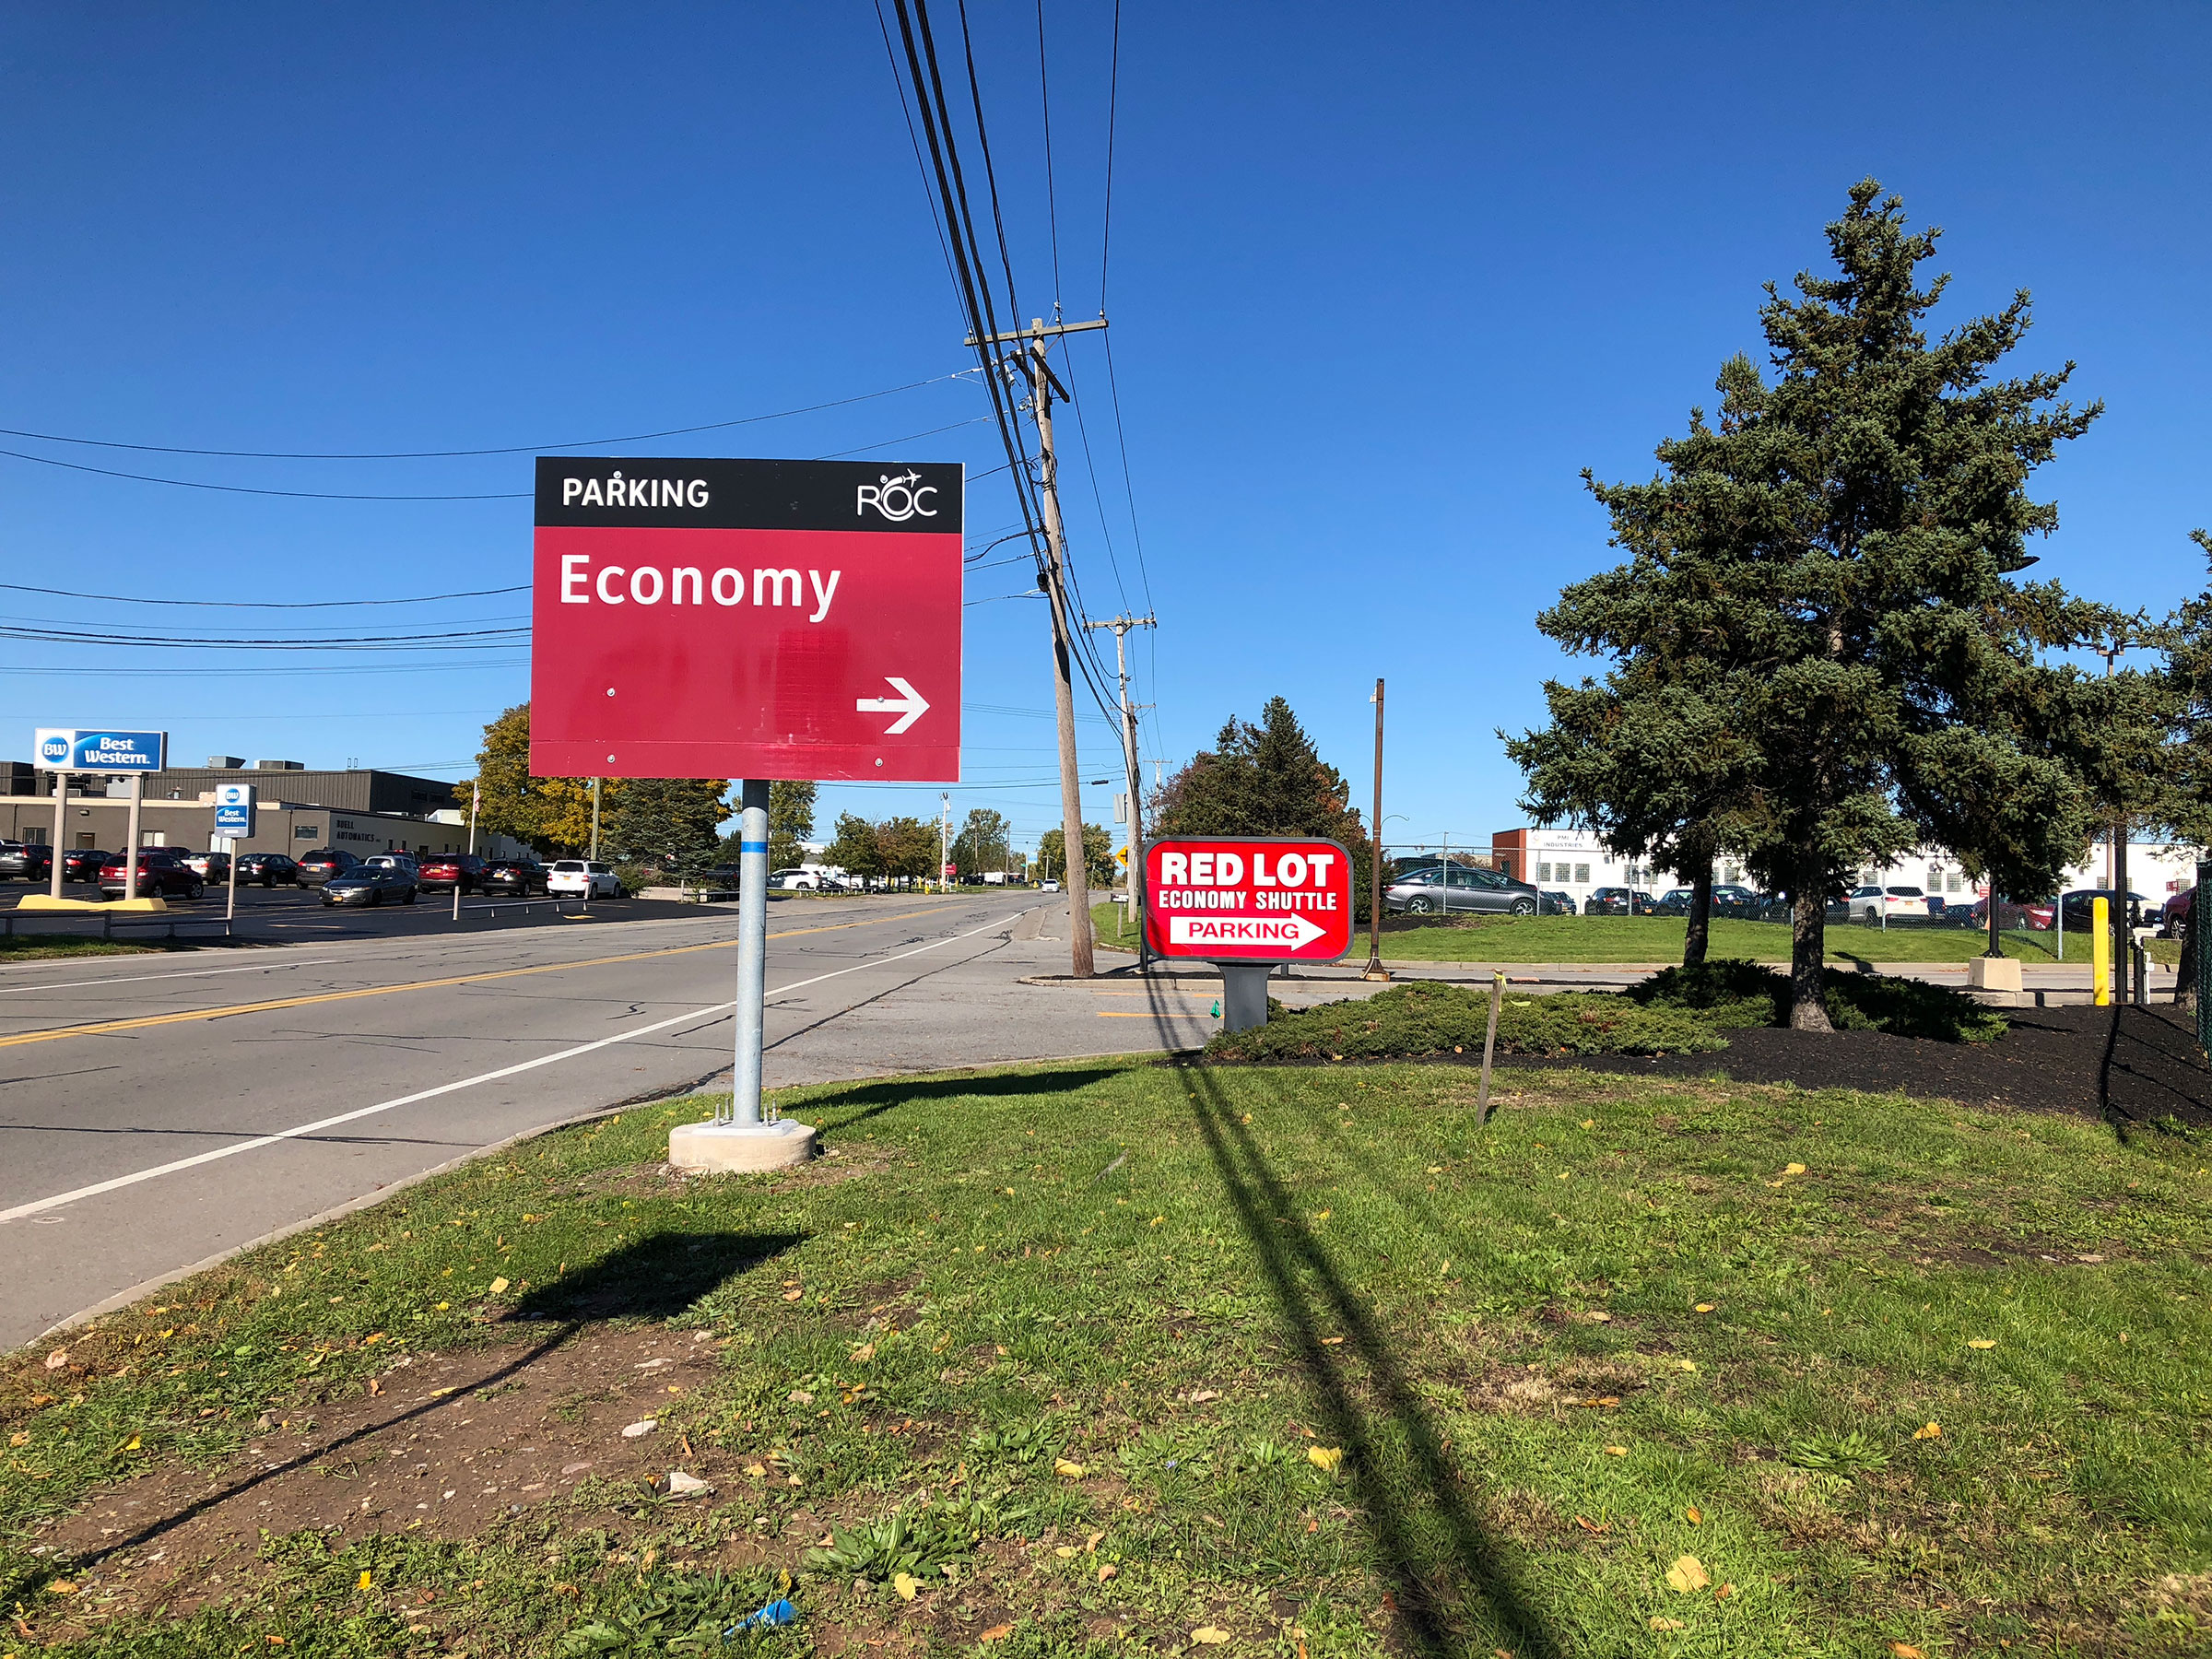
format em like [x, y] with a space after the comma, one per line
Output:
[698, 618]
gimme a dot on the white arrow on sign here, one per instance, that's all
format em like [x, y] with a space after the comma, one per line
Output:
[910, 705]
[1288, 931]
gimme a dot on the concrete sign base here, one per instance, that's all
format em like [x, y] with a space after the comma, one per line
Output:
[737, 1147]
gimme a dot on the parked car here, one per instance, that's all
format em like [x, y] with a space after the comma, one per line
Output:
[213, 868]
[2079, 912]
[1876, 903]
[523, 876]
[84, 863]
[2174, 915]
[2027, 914]
[1620, 902]
[316, 867]
[370, 884]
[1675, 901]
[268, 868]
[161, 874]
[1557, 904]
[402, 860]
[33, 861]
[586, 877]
[442, 872]
[1462, 888]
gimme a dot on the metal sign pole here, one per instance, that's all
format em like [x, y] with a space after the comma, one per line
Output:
[60, 819]
[130, 857]
[230, 901]
[752, 951]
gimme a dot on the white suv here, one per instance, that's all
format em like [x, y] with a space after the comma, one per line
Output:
[584, 877]
[1875, 903]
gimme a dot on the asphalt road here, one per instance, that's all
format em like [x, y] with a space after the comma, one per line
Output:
[159, 1110]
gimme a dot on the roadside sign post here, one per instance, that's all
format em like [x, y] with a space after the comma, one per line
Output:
[755, 620]
[1248, 904]
[234, 822]
[132, 754]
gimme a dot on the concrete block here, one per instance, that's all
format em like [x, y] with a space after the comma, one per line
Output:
[737, 1147]
[1993, 973]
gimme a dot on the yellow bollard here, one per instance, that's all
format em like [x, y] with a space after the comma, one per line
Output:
[2101, 950]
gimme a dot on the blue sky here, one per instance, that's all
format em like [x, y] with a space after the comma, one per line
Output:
[1383, 282]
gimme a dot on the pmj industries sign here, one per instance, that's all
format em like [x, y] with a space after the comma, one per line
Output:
[64, 749]
[1249, 898]
[699, 619]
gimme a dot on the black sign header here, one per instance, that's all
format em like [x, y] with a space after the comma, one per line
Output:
[611, 491]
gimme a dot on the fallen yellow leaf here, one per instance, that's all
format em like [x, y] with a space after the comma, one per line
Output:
[1108, 1571]
[1687, 1365]
[1072, 1471]
[1325, 1458]
[1599, 1316]
[20, 1438]
[863, 1353]
[1694, 1515]
[134, 1445]
[1981, 1342]
[793, 1295]
[1933, 1431]
[1687, 1575]
[906, 1584]
[1616, 1451]
[1212, 1635]
[1705, 1307]
[1905, 1650]
[997, 1633]
[498, 1284]
[366, 1579]
[1665, 1624]
[1323, 1215]
[1092, 1542]
[755, 1470]
[1724, 1593]
[63, 1587]
[1067, 1552]
[1795, 1168]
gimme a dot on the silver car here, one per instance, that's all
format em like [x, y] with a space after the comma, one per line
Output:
[1462, 888]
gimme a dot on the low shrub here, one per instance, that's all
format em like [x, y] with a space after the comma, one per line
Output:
[1733, 992]
[1423, 1017]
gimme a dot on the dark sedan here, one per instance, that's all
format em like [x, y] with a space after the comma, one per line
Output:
[161, 874]
[516, 875]
[2078, 908]
[320, 866]
[85, 864]
[370, 884]
[1557, 904]
[31, 861]
[1620, 902]
[268, 868]
[442, 872]
[1462, 888]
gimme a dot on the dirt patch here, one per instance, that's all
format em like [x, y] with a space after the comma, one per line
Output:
[448, 1444]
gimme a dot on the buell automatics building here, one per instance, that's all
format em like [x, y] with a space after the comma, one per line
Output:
[361, 811]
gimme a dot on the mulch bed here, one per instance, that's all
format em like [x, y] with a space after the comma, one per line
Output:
[2125, 1065]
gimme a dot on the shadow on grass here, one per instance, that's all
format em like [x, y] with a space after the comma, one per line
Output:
[872, 1099]
[1443, 1567]
[656, 1279]
[2153, 1075]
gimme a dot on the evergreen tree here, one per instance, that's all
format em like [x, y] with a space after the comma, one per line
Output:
[1842, 549]
[672, 824]
[790, 821]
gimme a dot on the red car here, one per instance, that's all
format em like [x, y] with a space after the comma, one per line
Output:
[161, 874]
[445, 871]
[2174, 915]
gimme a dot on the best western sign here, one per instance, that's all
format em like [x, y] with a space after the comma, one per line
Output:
[1252, 899]
[60, 748]
[746, 619]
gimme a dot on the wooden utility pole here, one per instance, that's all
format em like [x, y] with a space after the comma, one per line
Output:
[1120, 627]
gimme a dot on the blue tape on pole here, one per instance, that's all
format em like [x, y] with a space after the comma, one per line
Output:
[752, 846]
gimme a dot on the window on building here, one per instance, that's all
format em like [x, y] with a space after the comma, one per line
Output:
[1543, 872]
[1582, 871]
[34, 835]
[1950, 881]
[306, 832]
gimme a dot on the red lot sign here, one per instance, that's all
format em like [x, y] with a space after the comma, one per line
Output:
[746, 619]
[1249, 898]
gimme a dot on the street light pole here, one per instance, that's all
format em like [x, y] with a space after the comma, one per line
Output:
[1375, 970]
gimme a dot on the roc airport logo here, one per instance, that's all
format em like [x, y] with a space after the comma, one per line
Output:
[895, 497]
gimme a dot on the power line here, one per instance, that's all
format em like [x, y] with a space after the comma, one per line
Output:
[307, 495]
[14, 587]
[482, 639]
[514, 449]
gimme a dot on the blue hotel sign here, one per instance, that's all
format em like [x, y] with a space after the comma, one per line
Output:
[66, 749]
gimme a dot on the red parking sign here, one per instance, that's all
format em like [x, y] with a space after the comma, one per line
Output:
[698, 618]
[1250, 899]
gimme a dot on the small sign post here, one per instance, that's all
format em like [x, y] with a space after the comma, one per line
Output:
[1248, 904]
[755, 620]
[234, 822]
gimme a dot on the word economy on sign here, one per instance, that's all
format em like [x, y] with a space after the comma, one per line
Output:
[703, 618]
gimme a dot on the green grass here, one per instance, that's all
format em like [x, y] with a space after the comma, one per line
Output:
[1538, 1349]
[1660, 939]
[34, 948]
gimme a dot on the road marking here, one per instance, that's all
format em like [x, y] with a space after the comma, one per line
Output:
[138, 979]
[148, 1022]
[38, 1205]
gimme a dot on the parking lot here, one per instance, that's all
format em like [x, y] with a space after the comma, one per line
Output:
[299, 914]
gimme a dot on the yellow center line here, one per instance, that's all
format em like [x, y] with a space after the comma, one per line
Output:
[146, 1021]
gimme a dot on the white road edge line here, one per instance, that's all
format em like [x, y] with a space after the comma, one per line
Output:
[298, 1130]
[140, 979]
